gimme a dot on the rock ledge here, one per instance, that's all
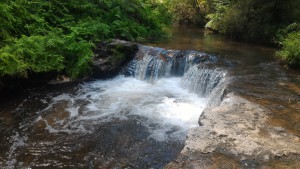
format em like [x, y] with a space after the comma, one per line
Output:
[236, 133]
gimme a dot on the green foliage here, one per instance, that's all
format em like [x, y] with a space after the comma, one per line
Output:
[283, 33]
[215, 16]
[188, 11]
[183, 10]
[31, 53]
[91, 29]
[251, 20]
[59, 35]
[290, 51]
[13, 15]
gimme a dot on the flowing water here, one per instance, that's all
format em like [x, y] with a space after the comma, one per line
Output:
[123, 122]
[140, 118]
[136, 120]
[253, 72]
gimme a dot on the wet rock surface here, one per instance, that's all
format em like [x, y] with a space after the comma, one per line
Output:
[236, 134]
[110, 57]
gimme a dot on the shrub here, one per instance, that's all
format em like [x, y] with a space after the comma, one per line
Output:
[251, 20]
[31, 53]
[59, 35]
[290, 51]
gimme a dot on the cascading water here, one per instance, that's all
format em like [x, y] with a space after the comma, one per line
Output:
[202, 80]
[136, 120]
[154, 63]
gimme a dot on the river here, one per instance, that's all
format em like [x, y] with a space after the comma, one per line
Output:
[254, 72]
[140, 118]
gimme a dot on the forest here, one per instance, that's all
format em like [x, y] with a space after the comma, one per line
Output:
[60, 35]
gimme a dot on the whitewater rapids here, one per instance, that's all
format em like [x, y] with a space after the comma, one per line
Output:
[165, 107]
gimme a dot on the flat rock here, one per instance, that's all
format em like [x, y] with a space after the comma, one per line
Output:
[236, 131]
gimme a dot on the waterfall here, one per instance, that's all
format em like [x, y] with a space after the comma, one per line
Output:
[194, 67]
[153, 105]
[202, 80]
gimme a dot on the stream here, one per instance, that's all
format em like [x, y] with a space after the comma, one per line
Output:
[140, 118]
[253, 72]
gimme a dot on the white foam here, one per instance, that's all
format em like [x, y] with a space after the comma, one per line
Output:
[73, 111]
[17, 141]
[165, 108]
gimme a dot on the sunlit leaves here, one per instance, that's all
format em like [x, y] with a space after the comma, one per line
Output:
[31, 53]
[59, 35]
[290, 51]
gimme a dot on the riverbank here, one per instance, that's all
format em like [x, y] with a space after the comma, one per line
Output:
[109, 58]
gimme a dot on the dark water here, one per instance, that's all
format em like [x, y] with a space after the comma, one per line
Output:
[139, 121]
[129, 123]
[193, 38]
[118, 123]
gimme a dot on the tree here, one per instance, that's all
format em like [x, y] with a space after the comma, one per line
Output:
[252, 20]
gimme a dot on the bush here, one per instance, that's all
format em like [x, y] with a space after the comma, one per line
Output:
[283, 33]
[59, 35]
[251, 20]
[290, 51]
[188, 11]
[31, 53]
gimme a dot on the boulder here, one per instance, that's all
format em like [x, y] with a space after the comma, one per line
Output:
[110, 57]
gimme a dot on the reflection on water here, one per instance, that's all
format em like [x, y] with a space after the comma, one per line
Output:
[193, 38]
[254, 72]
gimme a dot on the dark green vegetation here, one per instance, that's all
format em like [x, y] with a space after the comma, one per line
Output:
[59, 35]
[289, 39]
[269, 22]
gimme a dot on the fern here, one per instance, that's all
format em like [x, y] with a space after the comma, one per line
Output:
[59, 35]
[290, 51]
